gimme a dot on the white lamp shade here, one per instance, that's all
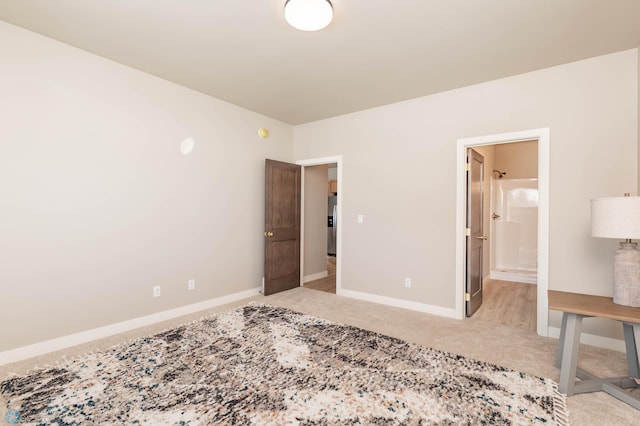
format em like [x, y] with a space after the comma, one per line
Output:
[308, 15]
[616, 217]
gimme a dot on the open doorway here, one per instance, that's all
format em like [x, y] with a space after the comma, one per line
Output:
[320, 227]
[510, 226]
[541, 139]
[321, 219]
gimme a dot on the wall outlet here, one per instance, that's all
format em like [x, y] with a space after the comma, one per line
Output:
[156, 291]
[407, 282]
[191, 284]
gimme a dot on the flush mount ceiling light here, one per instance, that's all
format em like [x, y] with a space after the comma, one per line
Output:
[308, 15]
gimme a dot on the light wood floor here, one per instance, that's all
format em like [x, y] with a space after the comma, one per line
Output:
[503, 302]
[328, 283]
[508, 303]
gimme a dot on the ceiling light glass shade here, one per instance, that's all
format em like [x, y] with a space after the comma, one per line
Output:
[308, 15]
[616, 217]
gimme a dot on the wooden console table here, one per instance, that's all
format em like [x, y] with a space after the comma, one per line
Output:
[574, 308]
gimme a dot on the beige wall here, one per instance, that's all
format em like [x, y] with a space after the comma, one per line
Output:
[97, 202]
[98, 205]
[591, 109]
[519, 160]
[315, 219]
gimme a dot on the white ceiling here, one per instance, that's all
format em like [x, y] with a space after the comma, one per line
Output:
[375, 52]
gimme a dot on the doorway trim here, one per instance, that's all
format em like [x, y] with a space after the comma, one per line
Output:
[337, 160]
[542, 136]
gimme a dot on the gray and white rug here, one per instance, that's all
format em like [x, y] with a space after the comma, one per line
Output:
[260, 364]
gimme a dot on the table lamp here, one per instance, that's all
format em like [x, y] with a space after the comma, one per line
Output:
[619, 217]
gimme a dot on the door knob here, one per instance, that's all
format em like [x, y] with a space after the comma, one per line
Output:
[268, 234]
[484, 237]
[495, 216]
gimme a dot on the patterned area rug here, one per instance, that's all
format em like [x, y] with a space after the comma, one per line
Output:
[260, 364]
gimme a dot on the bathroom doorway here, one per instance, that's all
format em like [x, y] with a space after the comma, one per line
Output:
[510, 188]
[516, 156]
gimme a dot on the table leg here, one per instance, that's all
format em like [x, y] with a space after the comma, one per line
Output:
[632, 344]
[563, 327]
[571, 329]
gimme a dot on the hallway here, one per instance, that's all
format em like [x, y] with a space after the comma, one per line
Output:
[328, 283]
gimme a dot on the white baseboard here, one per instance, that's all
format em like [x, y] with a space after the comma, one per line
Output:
[514, 276]
[41, 348]
[593, 340]
[400, 303]
[585, 338]
[316, 276]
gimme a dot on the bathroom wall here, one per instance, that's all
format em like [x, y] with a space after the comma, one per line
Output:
[519, 160]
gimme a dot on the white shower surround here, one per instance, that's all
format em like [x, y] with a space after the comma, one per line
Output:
[513, 237]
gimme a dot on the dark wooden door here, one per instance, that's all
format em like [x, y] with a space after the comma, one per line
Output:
[475, 231]
[282, 227]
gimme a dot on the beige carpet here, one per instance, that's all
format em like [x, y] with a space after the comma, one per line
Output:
[516, 349]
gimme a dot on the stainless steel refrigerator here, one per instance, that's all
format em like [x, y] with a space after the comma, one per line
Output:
[333, 225]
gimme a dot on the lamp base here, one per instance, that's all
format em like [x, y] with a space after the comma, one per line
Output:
[626, 275]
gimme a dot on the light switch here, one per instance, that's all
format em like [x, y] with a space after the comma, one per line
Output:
[360, 218]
